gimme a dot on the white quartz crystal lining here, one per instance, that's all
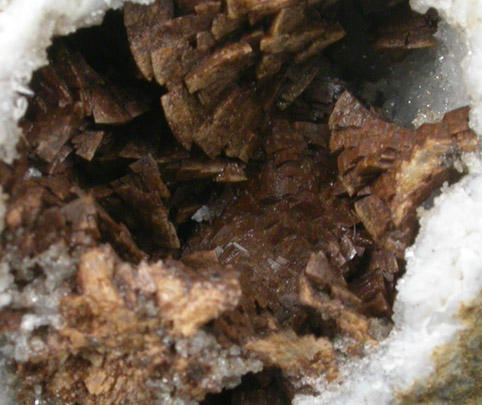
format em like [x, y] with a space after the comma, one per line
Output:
[26, 30]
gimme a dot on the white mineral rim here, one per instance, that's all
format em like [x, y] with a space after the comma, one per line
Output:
[444, 267]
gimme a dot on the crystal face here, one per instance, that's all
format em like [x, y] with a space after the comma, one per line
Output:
[204, 191]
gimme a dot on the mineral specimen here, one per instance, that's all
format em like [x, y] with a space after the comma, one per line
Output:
[222, 207]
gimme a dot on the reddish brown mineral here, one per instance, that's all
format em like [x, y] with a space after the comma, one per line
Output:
[397, 168]
[199, 203]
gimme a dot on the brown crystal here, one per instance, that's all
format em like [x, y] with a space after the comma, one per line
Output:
[217, 206]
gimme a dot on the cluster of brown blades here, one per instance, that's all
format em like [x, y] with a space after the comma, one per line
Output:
[305, 200]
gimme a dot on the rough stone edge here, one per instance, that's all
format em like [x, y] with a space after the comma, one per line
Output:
[458, 366]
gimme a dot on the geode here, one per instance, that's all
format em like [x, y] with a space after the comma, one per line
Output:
[206, 205]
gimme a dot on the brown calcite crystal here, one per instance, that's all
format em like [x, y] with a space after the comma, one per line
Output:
[120, 325]
[214, 216]
[403, 31]
[397, 168]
